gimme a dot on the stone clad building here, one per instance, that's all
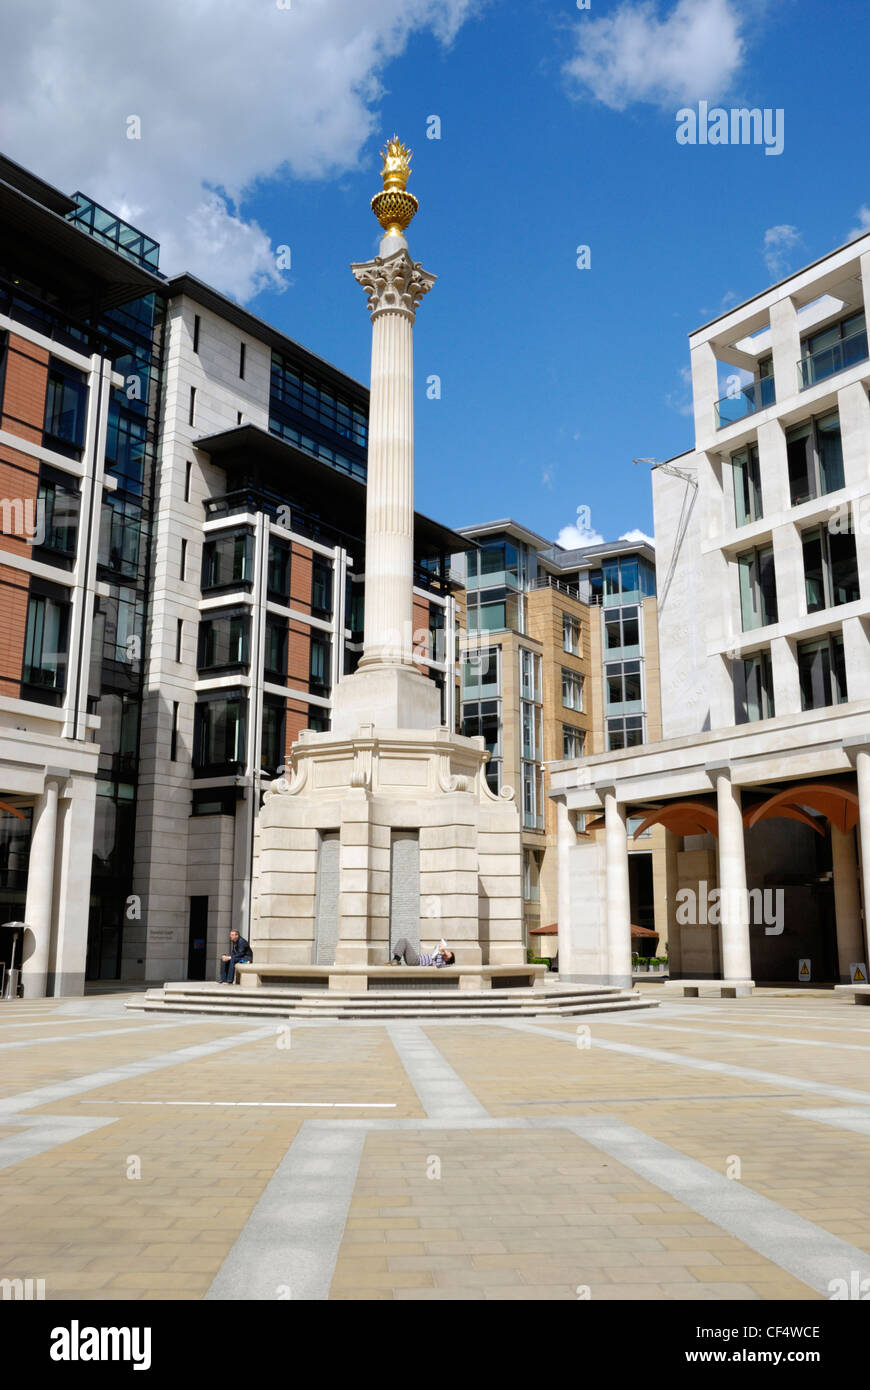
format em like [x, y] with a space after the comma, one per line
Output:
[761, 779]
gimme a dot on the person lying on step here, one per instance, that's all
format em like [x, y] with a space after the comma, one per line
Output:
[404, 951]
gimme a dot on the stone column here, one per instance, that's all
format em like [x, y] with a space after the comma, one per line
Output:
[847, 905]
[862, 768]
[40, 891]
[618, 897]
[672, 885]
[734, 900]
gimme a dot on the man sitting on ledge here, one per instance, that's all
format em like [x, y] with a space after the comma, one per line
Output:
[240, 952]
[404, 951]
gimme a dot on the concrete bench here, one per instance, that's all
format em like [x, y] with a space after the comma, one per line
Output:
[351, 979]
[861, 992]
[713, 989]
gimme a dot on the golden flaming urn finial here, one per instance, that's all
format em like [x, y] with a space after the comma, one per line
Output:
[395, 207]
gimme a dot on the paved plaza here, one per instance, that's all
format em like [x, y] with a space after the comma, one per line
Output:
[707, 1150]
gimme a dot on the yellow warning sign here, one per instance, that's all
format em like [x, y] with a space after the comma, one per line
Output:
[859, 974]
[803, 969]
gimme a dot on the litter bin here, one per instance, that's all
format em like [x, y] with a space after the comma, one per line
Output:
[13, 973]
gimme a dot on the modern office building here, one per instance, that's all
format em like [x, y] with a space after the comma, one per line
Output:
[182, 587]
[762, 777]
[560, 661]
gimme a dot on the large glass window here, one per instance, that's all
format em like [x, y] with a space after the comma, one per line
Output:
[278, 581]
[480, 672]
[321, 586]
[622, 631]
[570, 634]
[747, 485]
[822, 672]
[274, 721]
[58, 498]
[126, 446]
[224, 640]
[227, 561]
[530, 674]
[830, 568]
[481, 719]
[275, 659]
[220, 723]
[833, 350]
[120, 533]
[309, 412]
[66, 404]
[758, 606]
[622, 681]
[46, 645]
[815, 459]
[624, 733]
[319, 663]
[753, 688]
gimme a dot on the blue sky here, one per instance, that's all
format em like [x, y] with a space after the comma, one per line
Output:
[558, 129]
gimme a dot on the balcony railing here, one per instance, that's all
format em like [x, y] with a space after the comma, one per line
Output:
[746, 400]
[581, 592]
[817, 366]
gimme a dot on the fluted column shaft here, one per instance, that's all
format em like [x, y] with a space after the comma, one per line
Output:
[389, 570]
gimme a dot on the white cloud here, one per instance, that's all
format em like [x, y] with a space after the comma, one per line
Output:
[636, 536]
[863, 226]
[779, 243]
[681, 400]
[230, 93]
[638, 55]
[572, 537]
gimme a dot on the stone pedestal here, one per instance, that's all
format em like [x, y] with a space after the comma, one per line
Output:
[366, 787]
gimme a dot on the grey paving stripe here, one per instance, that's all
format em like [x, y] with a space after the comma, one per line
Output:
[93, 1081]
[289, 1245]
[798, 1246]
[441, 1091]
[40, 1133]
[85, 1037]
[653, 1054]
[751, 1037]
[856, 1118]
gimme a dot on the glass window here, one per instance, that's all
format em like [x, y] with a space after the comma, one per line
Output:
[66, 404]
[747, 485]
[830, 568]
[758, 605]
[220, 732]
[272, 746]
[822, 672]
[570, 634]
[753, 688]
[623, 683]
[319, 663]
[624, 733]
[224, 640]
[46, 644]
[278, 581]
[572, 689]
[622, 631]
[120, 535]
[572, 742]
[227, 561]
[275, 661]
[532, 875]
[58, 498]
[126, 446]
[481, 719]
[321, 586]
[815, 459]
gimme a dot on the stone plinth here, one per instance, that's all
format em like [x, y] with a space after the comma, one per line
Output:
[364, 787]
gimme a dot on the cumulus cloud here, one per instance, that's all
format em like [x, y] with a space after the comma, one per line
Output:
[572, 537]
[636, 536]
[639, 54]
[681, 400]
[779, 246]
[863, 226]
[229, 93]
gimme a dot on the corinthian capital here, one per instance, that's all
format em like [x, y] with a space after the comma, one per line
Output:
[394, 284]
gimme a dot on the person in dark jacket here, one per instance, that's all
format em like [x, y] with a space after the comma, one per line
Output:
[240, 952]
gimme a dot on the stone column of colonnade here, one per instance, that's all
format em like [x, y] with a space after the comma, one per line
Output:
[847, 903]
[40, 890]
[618, 904]
[734, 899]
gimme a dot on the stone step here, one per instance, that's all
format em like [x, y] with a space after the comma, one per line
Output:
[349, 1006]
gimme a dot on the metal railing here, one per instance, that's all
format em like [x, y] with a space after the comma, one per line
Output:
[818, 366]
[745, 400]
